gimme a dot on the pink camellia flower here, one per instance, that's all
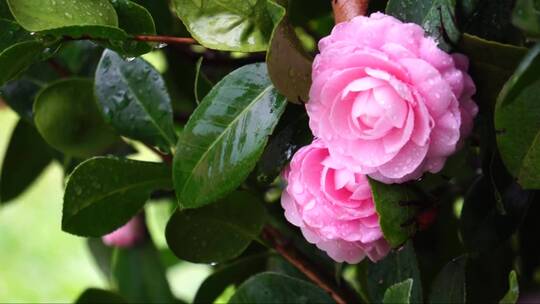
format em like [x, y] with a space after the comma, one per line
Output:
[128, 235]
[387, 101]
[333, 206]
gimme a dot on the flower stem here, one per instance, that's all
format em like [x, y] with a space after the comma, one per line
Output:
[165, 39]
[345, 10]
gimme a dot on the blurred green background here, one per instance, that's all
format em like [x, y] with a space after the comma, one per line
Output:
[39, 262]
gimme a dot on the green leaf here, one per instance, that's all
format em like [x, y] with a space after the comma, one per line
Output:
[133, 98]
[17, 58]
[20, 96]
[135, 20]
[234, 273]
[289, 65]
[437, 17]
[394, 212]
[217, 232]
[202, 85]
[526, 16]
[161, 13]
[4, 11]
[518, 139]
[225, 136]
[396, 267]
[98, 296]
[271, 287]
[399, 293]
[449, 285]
[11, 33]
[41, 15]
[67, 117]
[140, 276]
[104, 193]
[512, 295]
[231, 25]
[26, 157]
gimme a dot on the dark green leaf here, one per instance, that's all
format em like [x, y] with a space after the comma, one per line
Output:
[289, 65]
[526, 16]
[518, 139]
[140, 275]
[41, 15]
[234, 273]
[135, 20]
[512, 294]
[99, 296]
[231, 25]
[11, 33]
[225, 136]
[449, 285]
[396, 215]
[437, 17]
[161, 13]
[20, 96]
[399, 293]
[202, 85]
[17, 58]
[80, 57]
[133, 98]
[217, 232]
[271, 287]
[26, 157]
[4, 10]
[102, 193]
[396, 267]
[66, 115]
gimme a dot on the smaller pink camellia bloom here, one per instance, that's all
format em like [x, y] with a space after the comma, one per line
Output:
[387, 101]
[333, 206]
[128, 235]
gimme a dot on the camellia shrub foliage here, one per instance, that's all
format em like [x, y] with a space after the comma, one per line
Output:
[311, 151]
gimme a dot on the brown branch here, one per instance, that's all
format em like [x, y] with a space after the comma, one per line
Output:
[290, 253]
[345, 10]
[165, 39]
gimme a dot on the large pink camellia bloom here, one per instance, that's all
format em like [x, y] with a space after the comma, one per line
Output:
[387, 101]
[128, 235]
[333, 206]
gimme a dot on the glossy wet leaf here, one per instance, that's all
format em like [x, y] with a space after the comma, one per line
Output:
[162, 15]
[20, 96]
[449, 285]
[512, 295]
[134, 19]
[231, 274]
[518, 139]
[140, 276]
[11, 34]
[437, 17]
[289, 65]
[396, 267]
[225, 136]
[102, 194]
[67, 117]
[41, 15]
[231, 25]
[399, 293]
[133, 98]
[99, 296]
[26, 157]
[526, 16]
[396, 214]
[20, 56]
[218, 232]
[269, 287]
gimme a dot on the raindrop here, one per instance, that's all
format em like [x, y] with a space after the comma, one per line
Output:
[130, 59]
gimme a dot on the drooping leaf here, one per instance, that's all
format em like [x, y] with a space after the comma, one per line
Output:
[449, 285]
[217, 232]
[234, 273]
[518, 139]
[42, 15]
[396, 213]
[399, 293]
[134, 19]
[512, 294]
[437, 17]
[26, 157]
[140, 275]
[66, 115]
[99, 296]
[20, 96]
[18, 57]
[526, 16]
[269, 287]
[133, 98]
[396, 267]
[225, 136]
[231, 25]
[103, 193]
